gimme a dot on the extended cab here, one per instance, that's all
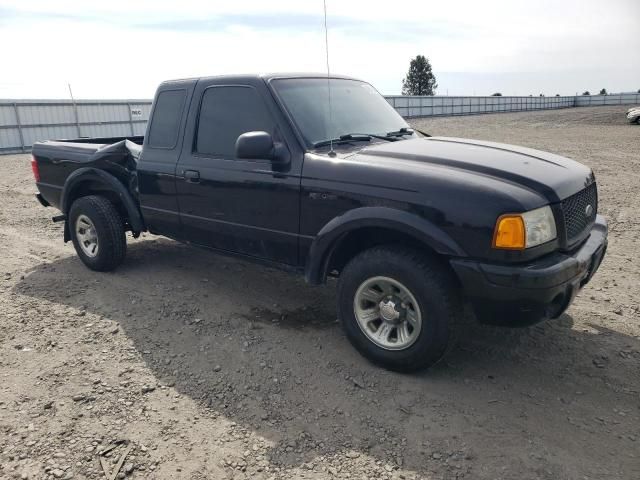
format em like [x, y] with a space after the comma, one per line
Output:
[274, 169]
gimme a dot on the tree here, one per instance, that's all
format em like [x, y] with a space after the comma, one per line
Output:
[603, 91]
[420, 79]
[497, 94]
[586, 92]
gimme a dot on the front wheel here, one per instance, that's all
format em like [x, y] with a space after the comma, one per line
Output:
[398, 307]
[97, 232]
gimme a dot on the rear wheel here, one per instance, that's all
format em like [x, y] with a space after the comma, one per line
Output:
[97, 232]
[398, 307]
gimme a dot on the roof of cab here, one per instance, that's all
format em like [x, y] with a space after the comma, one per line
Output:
[267, 77]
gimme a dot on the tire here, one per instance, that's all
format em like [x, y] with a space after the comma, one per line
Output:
[96, 218]
[429, 284]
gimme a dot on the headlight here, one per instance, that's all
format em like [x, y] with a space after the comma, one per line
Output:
[517, 231]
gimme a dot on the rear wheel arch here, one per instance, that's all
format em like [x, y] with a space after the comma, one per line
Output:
[88, 181]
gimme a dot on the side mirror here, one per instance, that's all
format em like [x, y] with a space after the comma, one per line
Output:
[260, 146]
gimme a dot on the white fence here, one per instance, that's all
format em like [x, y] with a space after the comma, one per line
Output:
[617, 99]
[410, 107]
[23, 122]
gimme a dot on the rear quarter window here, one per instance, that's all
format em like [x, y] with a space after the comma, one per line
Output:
[165, 122]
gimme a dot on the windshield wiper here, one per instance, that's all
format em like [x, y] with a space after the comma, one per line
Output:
[407, 131]
[400, 133]
[354, 137]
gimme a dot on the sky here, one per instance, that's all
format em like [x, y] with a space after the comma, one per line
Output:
[125, 48]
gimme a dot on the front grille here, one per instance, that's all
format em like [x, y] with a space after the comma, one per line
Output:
[577, 215]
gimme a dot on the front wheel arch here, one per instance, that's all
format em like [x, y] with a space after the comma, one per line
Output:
[357, 230]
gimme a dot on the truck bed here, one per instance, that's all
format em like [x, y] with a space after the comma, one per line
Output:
[58, 159]
[81, 146]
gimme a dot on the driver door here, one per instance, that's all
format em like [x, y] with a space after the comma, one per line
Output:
[236, 205]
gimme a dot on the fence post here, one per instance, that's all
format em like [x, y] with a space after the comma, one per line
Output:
[75, 114]
[15, 109]
[130, 119]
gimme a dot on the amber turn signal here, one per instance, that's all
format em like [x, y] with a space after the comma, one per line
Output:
[510, 233]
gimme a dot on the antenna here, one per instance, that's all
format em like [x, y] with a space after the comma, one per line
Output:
[71, 94]
[326, 47]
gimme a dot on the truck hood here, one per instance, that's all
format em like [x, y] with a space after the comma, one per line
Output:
[548, 174]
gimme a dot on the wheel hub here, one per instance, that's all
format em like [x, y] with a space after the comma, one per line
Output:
[388, 310]
[87, 236]
[387, 313]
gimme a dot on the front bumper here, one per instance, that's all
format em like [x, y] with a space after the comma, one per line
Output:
[542, 289]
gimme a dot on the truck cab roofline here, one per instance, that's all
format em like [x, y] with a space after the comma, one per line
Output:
[264, 76]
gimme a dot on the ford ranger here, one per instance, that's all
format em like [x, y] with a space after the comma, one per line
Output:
[322, 177]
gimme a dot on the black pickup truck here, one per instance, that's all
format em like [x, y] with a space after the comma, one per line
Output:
[322, 177]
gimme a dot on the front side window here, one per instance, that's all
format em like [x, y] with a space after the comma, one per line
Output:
[356, 107]
[225, 114]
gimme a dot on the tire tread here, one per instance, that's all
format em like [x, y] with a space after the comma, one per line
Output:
[436, 278]
[113, 244]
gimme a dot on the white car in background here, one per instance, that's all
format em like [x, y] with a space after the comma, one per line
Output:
[633, 115]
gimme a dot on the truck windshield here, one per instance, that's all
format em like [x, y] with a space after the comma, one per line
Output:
[356, 107]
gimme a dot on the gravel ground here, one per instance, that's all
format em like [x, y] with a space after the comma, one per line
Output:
[206, 367]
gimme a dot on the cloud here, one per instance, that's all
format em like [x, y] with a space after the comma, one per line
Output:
[10, 16]
[123, 48]
[261, 21]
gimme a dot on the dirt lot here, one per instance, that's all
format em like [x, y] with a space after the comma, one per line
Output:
[214, 368]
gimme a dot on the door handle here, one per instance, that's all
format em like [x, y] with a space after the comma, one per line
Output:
[191, 176]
